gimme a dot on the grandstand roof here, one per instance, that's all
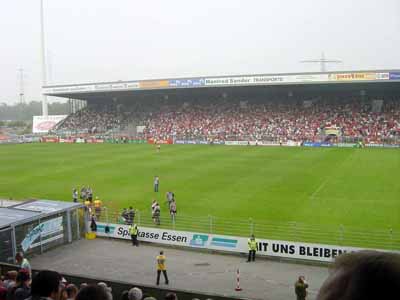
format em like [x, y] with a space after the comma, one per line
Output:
[25, 211]
[12, 216]
[116, 89]
[47, 206]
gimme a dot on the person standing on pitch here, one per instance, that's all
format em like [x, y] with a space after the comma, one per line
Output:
[97, 208]
[75, 195]
[156, 183]
[156, 214]
[161, 267]
[300, 288]
[131, 215]
[133, 231]
[172, 209]
[252, 243]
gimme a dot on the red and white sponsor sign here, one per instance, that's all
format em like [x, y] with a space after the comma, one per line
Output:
[154, 141]
[42, 124]
[49, 139]
[68, 141]
[94, 141]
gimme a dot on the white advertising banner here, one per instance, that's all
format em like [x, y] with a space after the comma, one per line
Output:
[91, 88]
[42, 124]
[310, 78]
[236, 143]
[276, 248]
[266, 79]
[252, 143]
[42, 230]
[246, 80]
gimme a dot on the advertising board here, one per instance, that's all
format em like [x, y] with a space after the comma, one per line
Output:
[42, 124]
[237, 143]
[85, 88]
[346, 145]
[277, 248]
[352, 76]
[167, 141]
[181, 83]
[252, 143]
[49, 139]
[266, 79]
[382, 76]
[198, 142]
[68, 89]
[293, 143]
[245, 80]
[303, 78]
[394, 75]
[153, 84]
[317, 144]
[382, 145]
[42, 230]
[68, 140]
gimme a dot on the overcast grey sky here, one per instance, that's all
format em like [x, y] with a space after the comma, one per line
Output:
[104, 40]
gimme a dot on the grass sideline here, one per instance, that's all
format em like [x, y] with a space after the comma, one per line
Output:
[315, 186]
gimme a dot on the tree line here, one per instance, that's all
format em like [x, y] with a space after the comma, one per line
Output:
[26, 111]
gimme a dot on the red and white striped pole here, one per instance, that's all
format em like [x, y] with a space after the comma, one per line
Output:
[238, 288]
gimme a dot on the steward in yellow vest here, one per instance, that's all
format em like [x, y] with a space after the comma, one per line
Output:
[133, 231]
[161, 267]
[252, 243]
[97, 207]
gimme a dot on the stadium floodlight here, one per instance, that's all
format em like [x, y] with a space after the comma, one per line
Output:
[21, 86]
[322, 61]
[43, 59]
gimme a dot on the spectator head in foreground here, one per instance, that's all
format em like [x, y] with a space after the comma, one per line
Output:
[92, 292]
[10, 278]
[171, 296]
[108, 289]
[46, 284]
[72, 291]
[23, 277]
[124, 295]
[361, 276]
[19, 257]
[135, 294]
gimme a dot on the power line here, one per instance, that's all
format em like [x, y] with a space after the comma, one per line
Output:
[322, 61]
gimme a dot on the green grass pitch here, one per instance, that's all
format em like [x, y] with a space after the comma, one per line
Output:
[316, 186]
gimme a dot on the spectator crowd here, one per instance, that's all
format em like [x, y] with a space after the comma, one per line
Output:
[355, 275]
[50, 285]
[231, 119]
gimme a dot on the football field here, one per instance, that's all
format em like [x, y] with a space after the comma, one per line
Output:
[357, 188]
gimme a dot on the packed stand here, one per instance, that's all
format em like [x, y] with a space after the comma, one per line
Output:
[232, 119]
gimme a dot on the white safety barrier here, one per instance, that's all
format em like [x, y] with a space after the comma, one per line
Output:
[276, 248]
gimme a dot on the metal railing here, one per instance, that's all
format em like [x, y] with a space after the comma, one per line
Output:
[388, 238]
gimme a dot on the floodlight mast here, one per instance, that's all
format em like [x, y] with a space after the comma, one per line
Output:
[43, 60]
[21, 86]
[322, 61]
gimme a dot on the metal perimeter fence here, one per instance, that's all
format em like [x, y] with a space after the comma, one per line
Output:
[388, 238]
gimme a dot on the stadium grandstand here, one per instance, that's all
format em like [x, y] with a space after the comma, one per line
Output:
[337, 107]
[346, 109]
